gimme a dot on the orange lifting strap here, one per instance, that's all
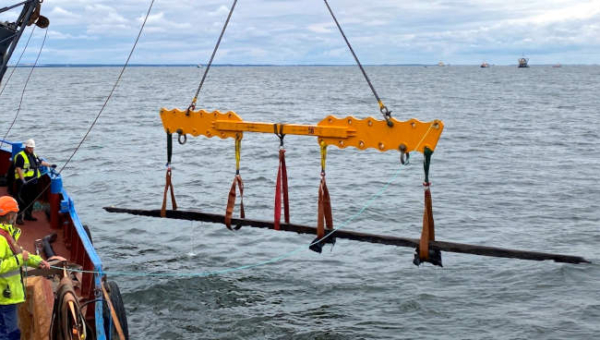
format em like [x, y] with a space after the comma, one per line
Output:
[237, 182]
[168, 183]
[423, 252]
[281, 187]
[324, 215]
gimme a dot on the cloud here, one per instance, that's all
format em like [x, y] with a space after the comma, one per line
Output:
[221, 11]
[294, 32]
[323, 27]
[59, 12]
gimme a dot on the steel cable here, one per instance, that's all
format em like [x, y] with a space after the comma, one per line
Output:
[25, 86]
[103, 106]
[384, 110]
[193, 104]
[18, 61]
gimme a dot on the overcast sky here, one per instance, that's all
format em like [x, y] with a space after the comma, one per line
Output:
[303, 32]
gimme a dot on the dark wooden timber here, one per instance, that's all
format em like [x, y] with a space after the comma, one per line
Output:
[362, 237]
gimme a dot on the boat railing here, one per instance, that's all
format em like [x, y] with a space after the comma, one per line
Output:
[64, 217]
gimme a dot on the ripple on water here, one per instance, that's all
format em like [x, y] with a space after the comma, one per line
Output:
[515, 167]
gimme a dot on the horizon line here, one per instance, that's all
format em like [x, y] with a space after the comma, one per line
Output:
[266, 65]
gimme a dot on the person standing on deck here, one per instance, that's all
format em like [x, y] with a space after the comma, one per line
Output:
[12, 259]
[27, 172]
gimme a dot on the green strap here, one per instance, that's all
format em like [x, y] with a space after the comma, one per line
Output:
[427, 152]
[169, 147]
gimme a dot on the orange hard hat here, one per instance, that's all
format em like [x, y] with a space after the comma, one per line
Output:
[8, 204]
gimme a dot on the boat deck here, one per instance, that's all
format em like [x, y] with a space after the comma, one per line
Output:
[55, 214]
[36, 230]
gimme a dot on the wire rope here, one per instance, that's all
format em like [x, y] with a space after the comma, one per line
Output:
[18, 61]
[193, 104]
[137, 39]
[384, 110]
[25, 86]
[103, 105]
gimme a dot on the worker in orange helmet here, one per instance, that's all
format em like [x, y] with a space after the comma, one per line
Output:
[12, 259]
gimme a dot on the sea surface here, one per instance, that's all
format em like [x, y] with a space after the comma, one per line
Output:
[517, 166]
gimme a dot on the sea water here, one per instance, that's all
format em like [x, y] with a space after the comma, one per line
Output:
[517, 166]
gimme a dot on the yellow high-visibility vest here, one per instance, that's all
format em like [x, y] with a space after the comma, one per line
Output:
[28, 171]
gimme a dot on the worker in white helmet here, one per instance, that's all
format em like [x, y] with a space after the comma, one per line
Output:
[27, 172]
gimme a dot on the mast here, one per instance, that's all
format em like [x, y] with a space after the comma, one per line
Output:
[10, 32]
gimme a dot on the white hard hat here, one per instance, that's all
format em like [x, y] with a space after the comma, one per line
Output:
[30, 143]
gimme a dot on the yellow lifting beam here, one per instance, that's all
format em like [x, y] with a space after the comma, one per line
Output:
[406, 136]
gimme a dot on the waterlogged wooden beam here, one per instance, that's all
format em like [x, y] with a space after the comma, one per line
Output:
[342, 132]
[361, 237]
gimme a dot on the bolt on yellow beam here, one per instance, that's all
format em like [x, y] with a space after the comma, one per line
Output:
[365, 133]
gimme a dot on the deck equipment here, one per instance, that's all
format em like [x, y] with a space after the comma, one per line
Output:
[383, 135]
[403, 136]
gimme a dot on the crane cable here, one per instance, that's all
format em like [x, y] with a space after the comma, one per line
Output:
[18, 61]
[25, 86]
[193, 103]
[103, 106]
[113, 88]
[387, 114]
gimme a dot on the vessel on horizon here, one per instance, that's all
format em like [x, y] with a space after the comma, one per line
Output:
[523, 62]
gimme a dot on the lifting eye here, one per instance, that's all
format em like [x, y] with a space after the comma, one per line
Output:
[182, 138]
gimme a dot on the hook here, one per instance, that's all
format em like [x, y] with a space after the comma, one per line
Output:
[404, 156]
[279, 133]
[182, 137]
[387, 114]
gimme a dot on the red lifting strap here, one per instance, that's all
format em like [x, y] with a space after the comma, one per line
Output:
[237, 182]
[282, 185]
[168, 185]
[324, 216]
[428, 233]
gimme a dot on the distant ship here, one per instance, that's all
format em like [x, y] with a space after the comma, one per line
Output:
[523, 62]
[484, 65]
[441, 63]
[556, 65]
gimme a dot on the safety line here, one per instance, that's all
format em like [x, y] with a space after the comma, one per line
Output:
[254, 265]
[18, 62]
[424, 136]
[25, 86]
[112, 90]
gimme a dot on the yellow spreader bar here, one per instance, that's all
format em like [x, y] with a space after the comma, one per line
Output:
[369, 132]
